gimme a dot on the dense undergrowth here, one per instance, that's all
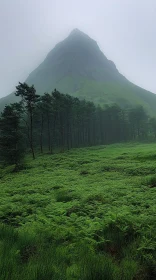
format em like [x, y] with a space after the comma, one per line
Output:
[84, 214]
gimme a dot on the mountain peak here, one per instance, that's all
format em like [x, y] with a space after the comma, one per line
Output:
[78, 33]
[75, 31]
[77, 58]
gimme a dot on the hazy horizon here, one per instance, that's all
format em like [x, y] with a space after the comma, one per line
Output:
[124, 31]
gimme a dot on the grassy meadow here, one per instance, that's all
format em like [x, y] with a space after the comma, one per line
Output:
[85, 214]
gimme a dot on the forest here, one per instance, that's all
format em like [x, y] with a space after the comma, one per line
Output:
[59, 122]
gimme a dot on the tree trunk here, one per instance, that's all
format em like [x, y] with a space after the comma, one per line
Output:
[49, 136]
[31, 135]
[41, 135]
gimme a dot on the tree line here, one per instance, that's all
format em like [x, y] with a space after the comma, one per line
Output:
[59, 121]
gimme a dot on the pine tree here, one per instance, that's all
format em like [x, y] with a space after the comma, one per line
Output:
[29, 100]
[11, 135]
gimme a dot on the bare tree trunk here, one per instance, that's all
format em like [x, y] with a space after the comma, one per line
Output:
[62, 133]
[31, 135]
[41, 135]
[49, 136]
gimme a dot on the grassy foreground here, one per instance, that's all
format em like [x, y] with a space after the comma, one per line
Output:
[86, 214]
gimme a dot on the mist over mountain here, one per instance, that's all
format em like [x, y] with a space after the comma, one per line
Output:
[78, 67]
[71, 62]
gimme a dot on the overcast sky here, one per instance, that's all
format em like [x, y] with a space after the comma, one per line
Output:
[124, 29]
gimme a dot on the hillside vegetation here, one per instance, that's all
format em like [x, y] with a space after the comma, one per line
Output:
[84, 214]
[125, 95]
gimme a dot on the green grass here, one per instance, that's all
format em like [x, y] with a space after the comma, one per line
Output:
[83, 214]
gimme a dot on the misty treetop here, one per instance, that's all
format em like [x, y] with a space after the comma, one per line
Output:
[60, 121]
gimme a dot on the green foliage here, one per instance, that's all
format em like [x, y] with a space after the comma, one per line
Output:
[150, 181]
[59, 224]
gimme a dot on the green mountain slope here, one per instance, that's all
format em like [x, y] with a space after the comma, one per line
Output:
[78, 67]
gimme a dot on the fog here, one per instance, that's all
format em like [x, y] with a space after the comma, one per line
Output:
[124, 29]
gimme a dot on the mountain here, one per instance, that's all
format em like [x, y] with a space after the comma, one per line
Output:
[78, 67]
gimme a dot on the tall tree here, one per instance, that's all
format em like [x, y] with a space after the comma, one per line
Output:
[138, 120]
[11, 135]
[152, 128]
[47, 110]
[29, 100]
